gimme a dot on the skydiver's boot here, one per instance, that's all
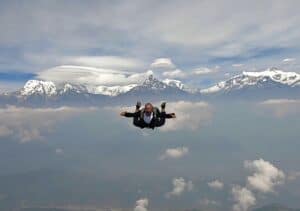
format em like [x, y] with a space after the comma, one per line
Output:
[138, 106]
[163, 106]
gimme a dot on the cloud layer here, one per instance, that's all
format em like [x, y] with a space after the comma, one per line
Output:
[281, 107]
[27, 124]
[92, 75]
[265, 175]
[180, 185]
[216, 185]
[243, 197]
[174, 153]
[142, 205]
[190, 115]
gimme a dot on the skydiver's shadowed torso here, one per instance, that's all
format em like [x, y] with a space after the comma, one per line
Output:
[149, 116]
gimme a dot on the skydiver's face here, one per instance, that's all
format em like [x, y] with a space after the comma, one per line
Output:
[148, 110]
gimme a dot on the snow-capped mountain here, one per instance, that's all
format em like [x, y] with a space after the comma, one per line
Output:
[271, 83]
[268, 79]
[174, 83]
[35, 87]
[178, 84]
[110, 90]
[49, 89]
[153, 89]
[152, 83]
[154, 86]
[72, 89]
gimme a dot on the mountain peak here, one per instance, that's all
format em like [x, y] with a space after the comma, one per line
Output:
[270, 77]
[273, 69]
[154, 83]
[36, 87]
[71, 88]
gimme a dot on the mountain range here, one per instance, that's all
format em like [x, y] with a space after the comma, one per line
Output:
[271, 83]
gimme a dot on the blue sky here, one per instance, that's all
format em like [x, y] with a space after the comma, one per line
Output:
[192, 34]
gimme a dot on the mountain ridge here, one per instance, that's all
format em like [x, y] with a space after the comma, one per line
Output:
[271, 83]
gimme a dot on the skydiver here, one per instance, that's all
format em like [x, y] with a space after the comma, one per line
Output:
[149, 116]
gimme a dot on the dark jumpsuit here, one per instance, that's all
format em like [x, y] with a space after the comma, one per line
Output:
[158, 119]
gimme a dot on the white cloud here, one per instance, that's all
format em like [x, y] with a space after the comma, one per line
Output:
[175, 153]
[27, 124]
[288, 60]
[243, 198]
[174, 74]
[281, 107]
[180, 186]
[208, 202]
[279, 101]
[142, 205]
[107, 62]
[205, 70]
[167, 27]
[216, 185]
[265, 175]
[189, 115]
[196, 72]
[227, 74]
[92, 75]
[237, 65]
[164, 63]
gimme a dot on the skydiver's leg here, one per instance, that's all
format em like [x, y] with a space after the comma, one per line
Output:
[137, 122]
[137, 119]
[161, 120]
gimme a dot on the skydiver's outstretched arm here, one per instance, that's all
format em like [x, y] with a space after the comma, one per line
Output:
[130, 114]
[170, 116]
[163, 114]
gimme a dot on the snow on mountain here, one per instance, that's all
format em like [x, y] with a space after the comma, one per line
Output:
[178, 84]
[153, 89]
[49, 89]
[110, 90]
[174, 83]
[35, 87]
[152, 83]
[71, 88]
[255, 79]
[267, 79]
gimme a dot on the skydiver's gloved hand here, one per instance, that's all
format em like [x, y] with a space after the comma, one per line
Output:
[138, 105]
[163, 106]
[173, 115]
[123, 113]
